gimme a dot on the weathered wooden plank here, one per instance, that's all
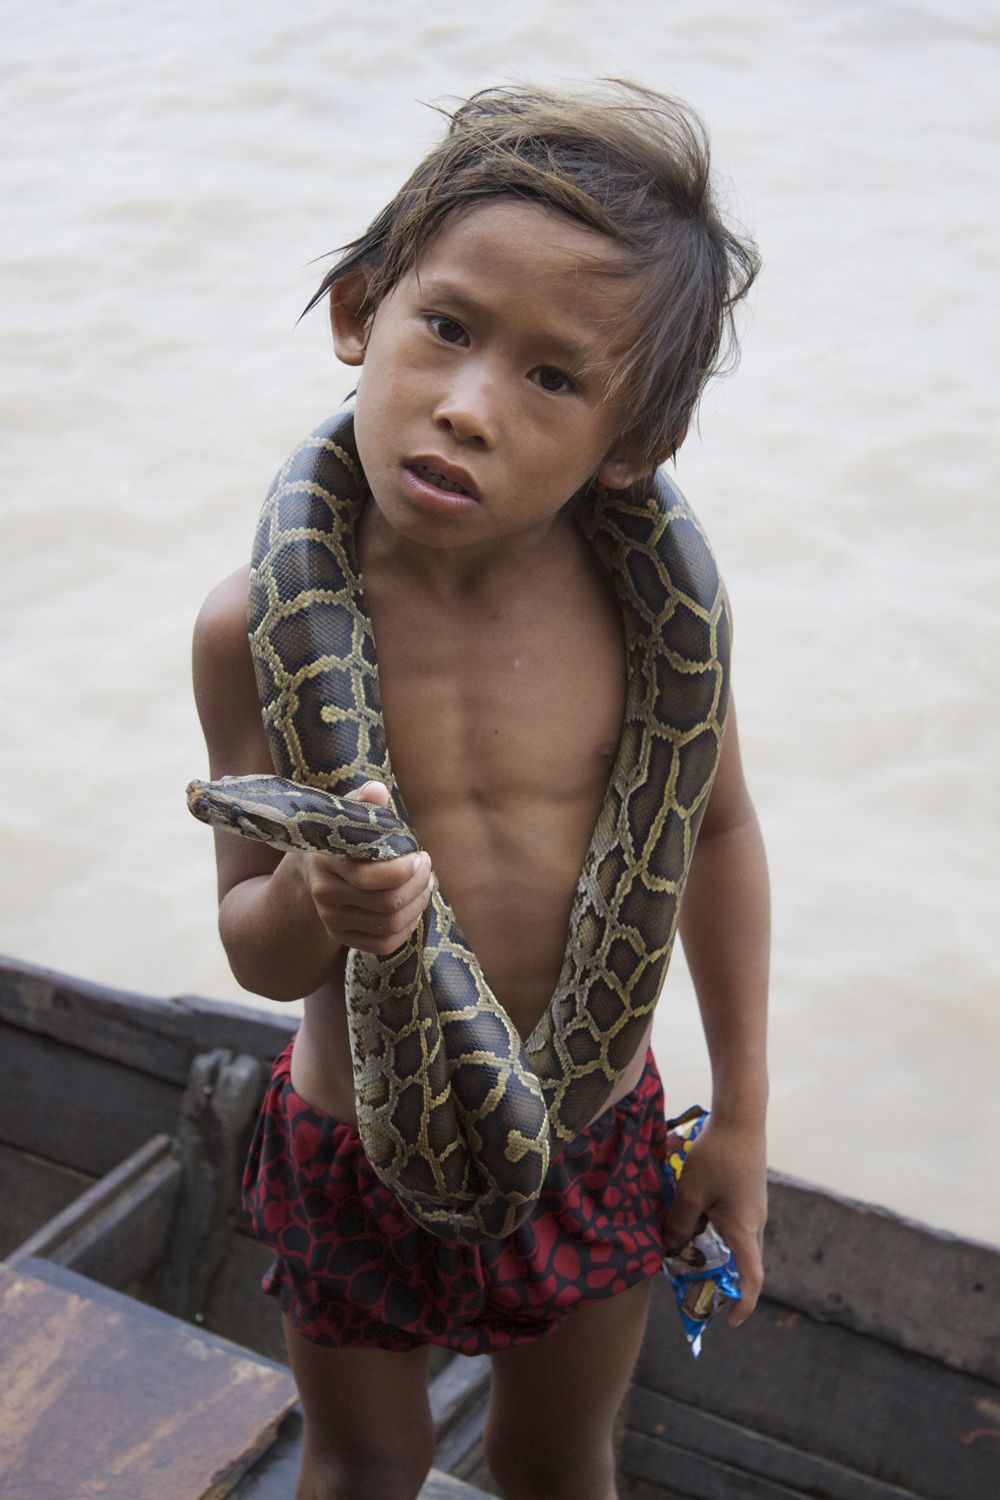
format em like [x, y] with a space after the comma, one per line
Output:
[440, 1486]
[461, 1385]
[699, 1478]
[213, 1129]
[847, 1397]
[868, 1269]
[458, 1398]
[460, 1450]
[32, 1191]
[115, 1231]
[236, 1308]
[630, 1488]
[167, 1412]
[161, 1036]
[660, 1428]
[77, 1108]
[274, 1474]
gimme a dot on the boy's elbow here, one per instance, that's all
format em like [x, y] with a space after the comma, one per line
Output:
[257, 979]
[254, 969]
[737, 818]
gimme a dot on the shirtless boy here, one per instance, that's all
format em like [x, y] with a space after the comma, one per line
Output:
[539, 307]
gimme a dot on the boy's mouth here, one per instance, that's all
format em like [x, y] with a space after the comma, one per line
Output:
[452, 481]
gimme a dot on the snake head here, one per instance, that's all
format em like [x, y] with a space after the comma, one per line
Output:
[288, 816]
[199, 801]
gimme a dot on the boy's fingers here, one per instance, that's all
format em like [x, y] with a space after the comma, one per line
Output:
[382, 923]
[371, 933]
[372, 791]
[751, 1269]
[681, 1224]
[384, 875]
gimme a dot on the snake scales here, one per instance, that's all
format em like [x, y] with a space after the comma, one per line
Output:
[456, 1112]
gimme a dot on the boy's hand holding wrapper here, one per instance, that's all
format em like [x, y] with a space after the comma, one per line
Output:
[703, 1271]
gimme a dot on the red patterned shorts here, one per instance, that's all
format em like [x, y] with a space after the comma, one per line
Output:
[352, 1268]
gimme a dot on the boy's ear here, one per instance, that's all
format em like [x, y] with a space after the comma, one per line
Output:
[619, 472]
[349, 327]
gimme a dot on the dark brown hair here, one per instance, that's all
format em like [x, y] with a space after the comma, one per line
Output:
[632, 164]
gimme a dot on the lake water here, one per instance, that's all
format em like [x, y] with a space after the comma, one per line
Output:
[170, 172]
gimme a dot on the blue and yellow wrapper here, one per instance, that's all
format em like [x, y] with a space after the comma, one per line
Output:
[703, 1272]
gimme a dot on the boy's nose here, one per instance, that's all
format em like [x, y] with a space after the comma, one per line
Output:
[467, 408]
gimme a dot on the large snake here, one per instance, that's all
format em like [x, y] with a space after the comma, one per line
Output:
[455, 1110]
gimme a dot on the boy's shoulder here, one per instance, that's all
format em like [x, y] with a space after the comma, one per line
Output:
[222, 619]
[224, 683]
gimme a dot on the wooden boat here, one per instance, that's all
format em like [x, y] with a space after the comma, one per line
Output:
[138, 1357]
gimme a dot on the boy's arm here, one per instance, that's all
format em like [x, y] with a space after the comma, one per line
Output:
[725, 922]
[284, 919]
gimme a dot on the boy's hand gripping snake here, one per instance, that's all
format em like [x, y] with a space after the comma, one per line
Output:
[456, 1112]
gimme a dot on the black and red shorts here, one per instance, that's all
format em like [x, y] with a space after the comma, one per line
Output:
[353, 1268]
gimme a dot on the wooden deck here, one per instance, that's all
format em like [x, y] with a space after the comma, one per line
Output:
[103, 1396]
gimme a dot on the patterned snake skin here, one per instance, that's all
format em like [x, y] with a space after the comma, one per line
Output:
[455, 1110]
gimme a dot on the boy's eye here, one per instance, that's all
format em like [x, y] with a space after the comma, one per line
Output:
[551, 379]
[447, 329]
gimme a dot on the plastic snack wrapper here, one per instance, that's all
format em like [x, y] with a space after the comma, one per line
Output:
[703, 1272]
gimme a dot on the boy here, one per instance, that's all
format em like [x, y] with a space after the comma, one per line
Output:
[538, 308]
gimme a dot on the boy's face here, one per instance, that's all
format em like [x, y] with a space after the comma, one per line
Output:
[482, 404]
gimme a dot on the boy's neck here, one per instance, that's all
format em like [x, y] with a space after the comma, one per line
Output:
[458, 572]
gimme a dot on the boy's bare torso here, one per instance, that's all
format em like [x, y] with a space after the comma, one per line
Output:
[485, 402]
[503, 700]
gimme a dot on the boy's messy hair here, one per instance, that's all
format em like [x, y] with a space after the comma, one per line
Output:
[632, 164]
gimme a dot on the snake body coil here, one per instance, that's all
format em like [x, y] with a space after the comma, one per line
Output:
[456, 1112]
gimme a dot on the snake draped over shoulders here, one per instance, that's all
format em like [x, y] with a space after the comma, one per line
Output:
[457, 1113]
